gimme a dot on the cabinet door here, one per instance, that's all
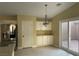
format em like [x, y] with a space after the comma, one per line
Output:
[50, 40]
[45, 39]
[39, 40]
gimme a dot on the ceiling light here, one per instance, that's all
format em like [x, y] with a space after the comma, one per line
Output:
[45, 19]
[58, 4]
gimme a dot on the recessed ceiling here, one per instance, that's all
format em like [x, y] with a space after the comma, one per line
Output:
[33, 8]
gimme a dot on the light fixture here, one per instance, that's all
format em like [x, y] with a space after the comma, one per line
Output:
[58, 4]
[45, 23]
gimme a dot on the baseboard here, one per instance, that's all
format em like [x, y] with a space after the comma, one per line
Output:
[34, 46]
[44, 46]
[55, 46]
[20, 48]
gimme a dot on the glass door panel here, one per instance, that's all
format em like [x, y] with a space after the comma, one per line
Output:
[74, 35]
[65, 34]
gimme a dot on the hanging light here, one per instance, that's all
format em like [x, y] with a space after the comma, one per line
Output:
[45, 19]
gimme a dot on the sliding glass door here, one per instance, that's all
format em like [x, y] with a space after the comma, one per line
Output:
[70, 35]
[64, 34]
[74, 35]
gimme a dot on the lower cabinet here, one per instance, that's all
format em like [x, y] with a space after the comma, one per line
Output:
[39, 41]
[44, 40]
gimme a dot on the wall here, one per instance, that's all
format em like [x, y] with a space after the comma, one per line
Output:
[8, 19]
[69, 13]
[0, 33]
[19, 21]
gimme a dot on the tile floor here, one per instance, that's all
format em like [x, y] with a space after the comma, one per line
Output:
[42, 51]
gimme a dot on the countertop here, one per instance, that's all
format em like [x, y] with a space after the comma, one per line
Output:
[7, 50]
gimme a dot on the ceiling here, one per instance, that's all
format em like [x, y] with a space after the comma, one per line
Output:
[33, 8]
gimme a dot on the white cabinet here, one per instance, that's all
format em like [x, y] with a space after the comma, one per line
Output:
[50, 40]
[44, 40]
[39, 40]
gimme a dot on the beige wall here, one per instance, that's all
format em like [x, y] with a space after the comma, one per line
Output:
[0, 33]
[8, 19]
[69, 13]
[19, 21]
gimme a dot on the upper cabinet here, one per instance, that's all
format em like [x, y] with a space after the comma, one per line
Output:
[40, 26]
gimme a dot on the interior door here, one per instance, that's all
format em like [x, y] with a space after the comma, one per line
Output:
[27, 33]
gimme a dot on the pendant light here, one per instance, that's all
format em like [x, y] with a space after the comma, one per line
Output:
[45, 23]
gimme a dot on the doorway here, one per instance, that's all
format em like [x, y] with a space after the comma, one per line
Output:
[8, 34]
